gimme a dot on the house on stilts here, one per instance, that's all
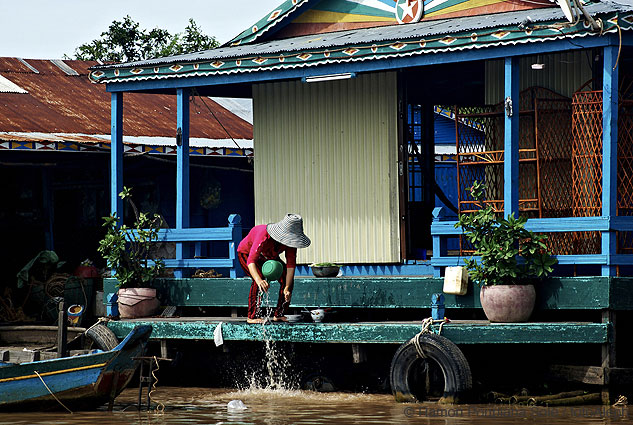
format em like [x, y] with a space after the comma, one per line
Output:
[536, 101]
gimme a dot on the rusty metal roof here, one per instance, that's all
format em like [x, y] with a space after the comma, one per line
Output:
[57, 102]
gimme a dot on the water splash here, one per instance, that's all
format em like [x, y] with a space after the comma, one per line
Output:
[276, 364]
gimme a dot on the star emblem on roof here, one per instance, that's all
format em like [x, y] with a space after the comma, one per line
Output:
[408, 11]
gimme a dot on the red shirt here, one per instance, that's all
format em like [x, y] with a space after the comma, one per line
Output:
[260, 247]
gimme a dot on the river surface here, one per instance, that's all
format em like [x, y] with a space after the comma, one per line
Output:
[285, 407]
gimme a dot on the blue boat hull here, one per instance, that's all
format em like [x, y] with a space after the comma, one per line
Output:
[79, 382]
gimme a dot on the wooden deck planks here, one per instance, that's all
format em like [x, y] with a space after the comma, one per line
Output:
[460, 332]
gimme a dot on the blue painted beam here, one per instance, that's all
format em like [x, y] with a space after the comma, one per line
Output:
[182, 168]
[592, 259]
[198, 263]
[511, 138]
[116, 154]
[369, 66]
[195, 234]
[547, 225]
[609, 150]
[622, 223]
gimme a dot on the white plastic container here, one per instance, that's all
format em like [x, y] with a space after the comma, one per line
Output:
[456, 280]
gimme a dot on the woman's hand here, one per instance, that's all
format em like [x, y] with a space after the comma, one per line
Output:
[287, 295]
[263, 285]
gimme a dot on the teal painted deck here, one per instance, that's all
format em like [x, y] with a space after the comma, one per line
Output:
[582, 294]
[571, 293]
[460, 332]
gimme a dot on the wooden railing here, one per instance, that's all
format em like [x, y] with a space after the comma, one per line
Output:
[441, 229]
[231, 234]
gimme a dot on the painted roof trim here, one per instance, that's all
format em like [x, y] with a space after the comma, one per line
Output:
[381, 34]
[225, 63]
[268, 22]
[71, 142]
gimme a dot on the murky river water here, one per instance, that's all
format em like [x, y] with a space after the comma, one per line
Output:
[281, 407]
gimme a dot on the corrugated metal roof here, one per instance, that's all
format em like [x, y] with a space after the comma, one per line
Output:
[243, 108]
[64, 67]
[60, 103]
[380, 34]
[195, 142]
[7, 86]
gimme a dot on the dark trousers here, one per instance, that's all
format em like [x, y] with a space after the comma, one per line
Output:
[254, 310]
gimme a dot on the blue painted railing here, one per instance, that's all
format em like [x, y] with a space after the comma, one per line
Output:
[231, 234]
[441, 229]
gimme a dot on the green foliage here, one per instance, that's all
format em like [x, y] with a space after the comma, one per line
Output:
[125, 41]
[509, 253]
[128, 249]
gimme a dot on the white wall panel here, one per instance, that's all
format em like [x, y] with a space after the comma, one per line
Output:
[328, 151]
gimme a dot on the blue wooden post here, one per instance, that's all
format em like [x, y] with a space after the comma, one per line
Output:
[511, 138]
[182, 169]
[439, 242]
[235, 224]
[609, 152]
[116, 154]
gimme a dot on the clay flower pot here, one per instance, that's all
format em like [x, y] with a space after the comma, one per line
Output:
[137, 302]
[507, 303]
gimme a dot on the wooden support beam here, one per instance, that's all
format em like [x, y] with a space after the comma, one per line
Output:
[164, 350]
[511, 138]
[609, 151]
[591, 375]
[608, 354]
[62, 330]
[359, 354]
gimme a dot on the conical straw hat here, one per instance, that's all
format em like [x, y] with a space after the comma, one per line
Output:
[289, 231]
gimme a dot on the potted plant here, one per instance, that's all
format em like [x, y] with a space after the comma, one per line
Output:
[127, 249]
[511, 259]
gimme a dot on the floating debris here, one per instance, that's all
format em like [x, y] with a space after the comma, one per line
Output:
[236, 405]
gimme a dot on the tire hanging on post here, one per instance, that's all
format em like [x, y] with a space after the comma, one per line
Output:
[412, 358]
[102, 337]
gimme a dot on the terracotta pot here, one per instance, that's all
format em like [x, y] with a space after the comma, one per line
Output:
[137, 302]
[508, 303]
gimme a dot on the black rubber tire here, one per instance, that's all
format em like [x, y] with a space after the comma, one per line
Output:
[407, 365]
[102, 337]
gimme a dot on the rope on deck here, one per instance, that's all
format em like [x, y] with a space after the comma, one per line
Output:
[427, 328]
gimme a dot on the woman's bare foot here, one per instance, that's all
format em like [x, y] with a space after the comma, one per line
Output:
[259, 320]
[280, 319]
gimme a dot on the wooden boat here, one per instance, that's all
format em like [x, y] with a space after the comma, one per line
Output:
[77, 383]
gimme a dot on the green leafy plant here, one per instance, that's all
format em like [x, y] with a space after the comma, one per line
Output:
[127, 249]
[509, 253]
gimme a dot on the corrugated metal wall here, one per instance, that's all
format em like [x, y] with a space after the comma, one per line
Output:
[564, 73]
[328, 151]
